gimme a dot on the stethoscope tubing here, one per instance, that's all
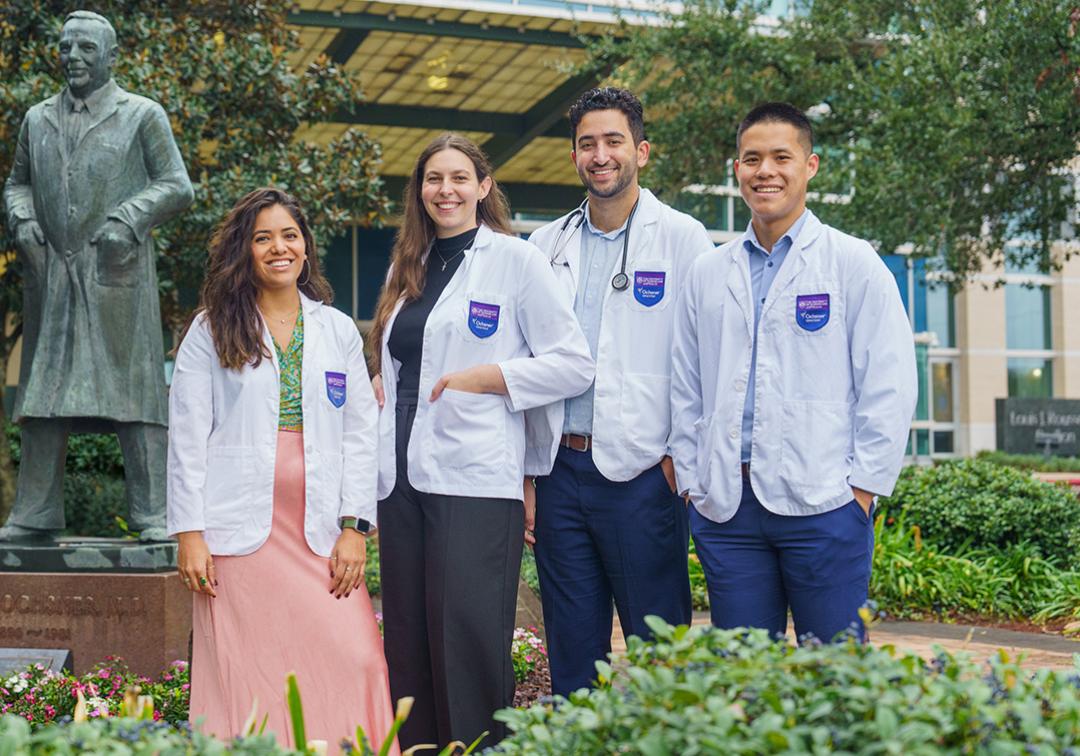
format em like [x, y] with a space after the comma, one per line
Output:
[620, 281]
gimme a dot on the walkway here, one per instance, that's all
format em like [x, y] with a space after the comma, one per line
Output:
[1039, 650]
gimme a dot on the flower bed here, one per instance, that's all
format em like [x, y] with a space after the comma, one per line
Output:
[41, 696]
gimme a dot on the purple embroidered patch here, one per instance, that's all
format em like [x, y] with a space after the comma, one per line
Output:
[812, 311]
[483, 319]
[335, 388]
[649, 286]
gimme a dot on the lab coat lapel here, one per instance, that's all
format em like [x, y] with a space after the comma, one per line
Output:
[642, 229]
[313, 327]
[794, 263]
[738, 283]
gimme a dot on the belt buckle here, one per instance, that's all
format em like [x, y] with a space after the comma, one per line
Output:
[570, 442]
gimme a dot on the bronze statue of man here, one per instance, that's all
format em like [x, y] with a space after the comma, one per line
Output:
[96, 168]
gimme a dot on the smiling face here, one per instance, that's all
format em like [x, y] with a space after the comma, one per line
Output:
[450, 192]
[278, 250]
[86, 55]
[606, 158]
[773, 169]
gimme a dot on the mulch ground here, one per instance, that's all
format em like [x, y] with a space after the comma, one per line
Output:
[536, 686]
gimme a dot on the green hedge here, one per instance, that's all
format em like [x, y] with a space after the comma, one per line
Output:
[977, 503]
[124, 736]
[1035, 462]
[706, 691]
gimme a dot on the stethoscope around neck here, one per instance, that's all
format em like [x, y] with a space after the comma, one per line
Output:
[620, 281]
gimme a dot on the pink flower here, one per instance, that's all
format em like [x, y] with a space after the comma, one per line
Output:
[103, 674]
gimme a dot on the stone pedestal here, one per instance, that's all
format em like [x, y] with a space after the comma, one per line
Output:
[96, 598]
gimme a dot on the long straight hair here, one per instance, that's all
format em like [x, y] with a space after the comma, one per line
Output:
[230, 291]
[417, 233]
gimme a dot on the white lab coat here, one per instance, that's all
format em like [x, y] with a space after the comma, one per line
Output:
[466, 444]
[223, 428]
[832, 405]
[631, 412]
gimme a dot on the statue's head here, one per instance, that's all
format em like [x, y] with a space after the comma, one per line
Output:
[87, 51]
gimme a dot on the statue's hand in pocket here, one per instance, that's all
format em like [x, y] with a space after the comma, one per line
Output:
[117, 253]
[30, 241]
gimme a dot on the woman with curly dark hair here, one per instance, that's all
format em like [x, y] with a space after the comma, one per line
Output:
[271, 486]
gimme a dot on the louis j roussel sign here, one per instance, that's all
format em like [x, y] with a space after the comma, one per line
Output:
[1038, 426]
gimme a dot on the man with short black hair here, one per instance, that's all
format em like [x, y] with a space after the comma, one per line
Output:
[608, 523]
[793, 389]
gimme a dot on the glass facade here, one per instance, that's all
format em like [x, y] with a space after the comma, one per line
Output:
[1031, 378]
[1027, 317]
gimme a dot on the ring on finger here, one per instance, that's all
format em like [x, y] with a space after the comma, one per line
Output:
[202, 581]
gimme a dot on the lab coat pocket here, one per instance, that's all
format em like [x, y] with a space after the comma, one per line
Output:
[650, 285]
[646, 409]
[468, 432]
[816, 442]
[484, 317]
[228, 487]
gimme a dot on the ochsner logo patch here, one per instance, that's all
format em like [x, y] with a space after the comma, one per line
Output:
[812, 311]
[483, 318]
[649, 286]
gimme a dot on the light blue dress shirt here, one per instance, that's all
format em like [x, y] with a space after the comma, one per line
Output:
[599, 252]
[763, 269]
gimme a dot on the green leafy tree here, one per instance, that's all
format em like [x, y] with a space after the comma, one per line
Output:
[948, 125]
[221, 70]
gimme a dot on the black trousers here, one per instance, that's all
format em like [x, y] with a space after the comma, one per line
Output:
[449, 568]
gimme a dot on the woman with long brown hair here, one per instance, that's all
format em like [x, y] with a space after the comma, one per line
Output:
[271, 486]
[471, 330]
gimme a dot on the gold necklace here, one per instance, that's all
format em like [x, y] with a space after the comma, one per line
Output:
[283, 321]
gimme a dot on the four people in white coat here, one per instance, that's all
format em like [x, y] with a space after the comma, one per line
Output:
[770, 383]
[609, 524]
[793, 390]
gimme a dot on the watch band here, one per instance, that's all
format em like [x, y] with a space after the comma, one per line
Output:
[358, 524]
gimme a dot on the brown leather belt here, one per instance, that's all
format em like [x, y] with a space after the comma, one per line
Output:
[576, 442]
[745, 468]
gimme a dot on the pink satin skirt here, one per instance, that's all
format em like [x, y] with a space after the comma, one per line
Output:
[274, 614]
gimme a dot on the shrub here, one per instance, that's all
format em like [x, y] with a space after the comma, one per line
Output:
[124, 736]
[703, 691]
[1035, 462]
[699, 589]
[977, 503]
[94, 494]
[915, 578]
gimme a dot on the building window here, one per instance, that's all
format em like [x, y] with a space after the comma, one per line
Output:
[1031, 378]
[1027, 317]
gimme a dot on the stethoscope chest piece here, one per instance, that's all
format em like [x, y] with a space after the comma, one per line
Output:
[620, 281]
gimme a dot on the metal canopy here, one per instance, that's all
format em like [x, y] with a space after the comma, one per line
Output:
[431, 25]
[499, 73]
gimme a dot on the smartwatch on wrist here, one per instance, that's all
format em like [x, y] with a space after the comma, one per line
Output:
[358, 524]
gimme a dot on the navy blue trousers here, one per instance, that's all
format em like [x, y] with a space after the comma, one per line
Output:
[599, 541]
[758, 564]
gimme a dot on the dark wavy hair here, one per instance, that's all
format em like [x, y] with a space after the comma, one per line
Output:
[230, 290]
[417, 232]
[609, 98]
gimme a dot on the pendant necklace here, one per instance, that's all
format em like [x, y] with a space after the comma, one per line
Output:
[284, 320]
[446, 261]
